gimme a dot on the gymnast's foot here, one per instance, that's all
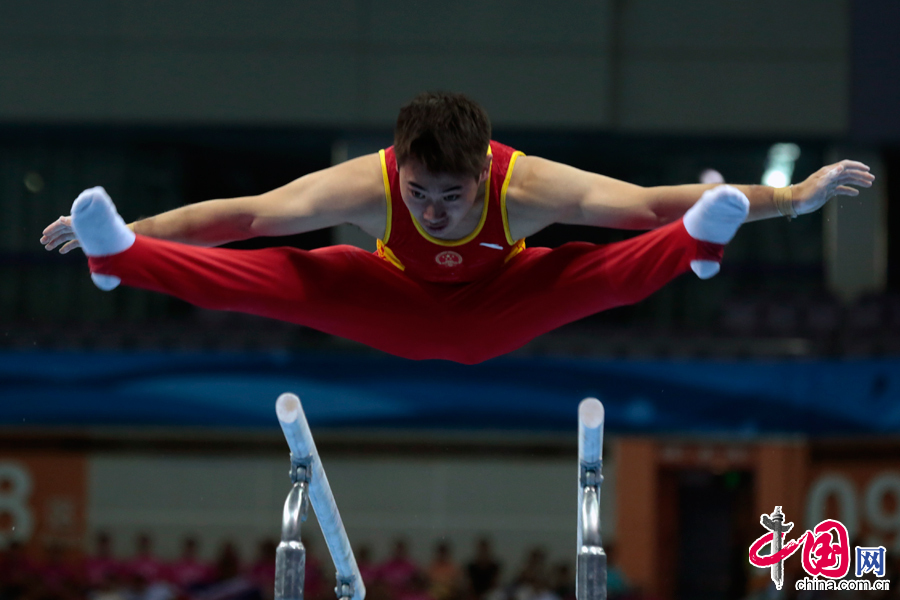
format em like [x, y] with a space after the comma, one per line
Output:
[100, 230]
[715, 218]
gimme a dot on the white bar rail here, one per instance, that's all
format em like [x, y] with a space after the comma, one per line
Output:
[303, 450]
[591, 566]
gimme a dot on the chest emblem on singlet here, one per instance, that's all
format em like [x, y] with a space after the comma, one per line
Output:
[449, 258]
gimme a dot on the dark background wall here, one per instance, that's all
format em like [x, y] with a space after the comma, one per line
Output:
[639, 65]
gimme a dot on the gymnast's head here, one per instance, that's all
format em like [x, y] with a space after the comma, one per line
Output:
[441, 142]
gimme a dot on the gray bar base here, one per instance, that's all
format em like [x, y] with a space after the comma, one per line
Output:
[591, 574]
[290, 571]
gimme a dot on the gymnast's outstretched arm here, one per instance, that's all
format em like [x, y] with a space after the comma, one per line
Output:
[351, 192]
[544, 192]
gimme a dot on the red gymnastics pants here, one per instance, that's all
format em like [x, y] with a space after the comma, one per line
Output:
[349, 292]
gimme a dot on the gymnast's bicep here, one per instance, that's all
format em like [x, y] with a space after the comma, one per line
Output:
[544, 192]
[351, 192]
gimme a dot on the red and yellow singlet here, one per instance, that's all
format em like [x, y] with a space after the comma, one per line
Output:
[410, 248]
[385, 300]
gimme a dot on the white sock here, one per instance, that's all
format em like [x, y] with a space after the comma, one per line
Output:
[105, 282]
[100, 230]
[715, 218]
[98, 226]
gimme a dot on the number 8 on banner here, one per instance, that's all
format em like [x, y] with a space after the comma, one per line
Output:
[15, 489]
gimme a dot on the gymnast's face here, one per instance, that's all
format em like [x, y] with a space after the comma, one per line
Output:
[443, 204]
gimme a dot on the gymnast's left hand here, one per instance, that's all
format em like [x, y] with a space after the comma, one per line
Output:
[60, 233]
[828, 182]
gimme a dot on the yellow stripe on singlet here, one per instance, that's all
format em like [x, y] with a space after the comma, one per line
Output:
[520, 245]
[503, 190]
[383, 251]
[387, 196]
[386, 253]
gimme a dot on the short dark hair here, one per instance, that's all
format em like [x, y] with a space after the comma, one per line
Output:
[449, 133]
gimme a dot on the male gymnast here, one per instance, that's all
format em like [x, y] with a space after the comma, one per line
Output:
[451, 209]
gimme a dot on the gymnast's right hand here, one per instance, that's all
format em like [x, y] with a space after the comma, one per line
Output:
[60, 233]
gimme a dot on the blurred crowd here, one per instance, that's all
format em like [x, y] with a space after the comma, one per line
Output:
[61, 574]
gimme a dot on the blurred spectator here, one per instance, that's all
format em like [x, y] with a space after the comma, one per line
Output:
[55, 571]
[316, 586]
[189, 572]
[616, 584]
[101, 567]
[367, 569]
[531, 582]
[229, 583]
[262, 572]
[378, 590]
[150, 589]
[144, 564]
[416, 588]
[535, 565]
[484, 570]
[541, 590]
[228, 562]
[16, 570]
[113, 587]
[444, 574]
[563, 581]
[398, 571]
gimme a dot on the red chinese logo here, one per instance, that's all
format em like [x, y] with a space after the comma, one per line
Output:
[448, 259]
[826, 550]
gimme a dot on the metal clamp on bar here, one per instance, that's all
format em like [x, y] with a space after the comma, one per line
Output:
[309, 467]
[590, 575]
[300, 468]
[344, 589]
[591, 473]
